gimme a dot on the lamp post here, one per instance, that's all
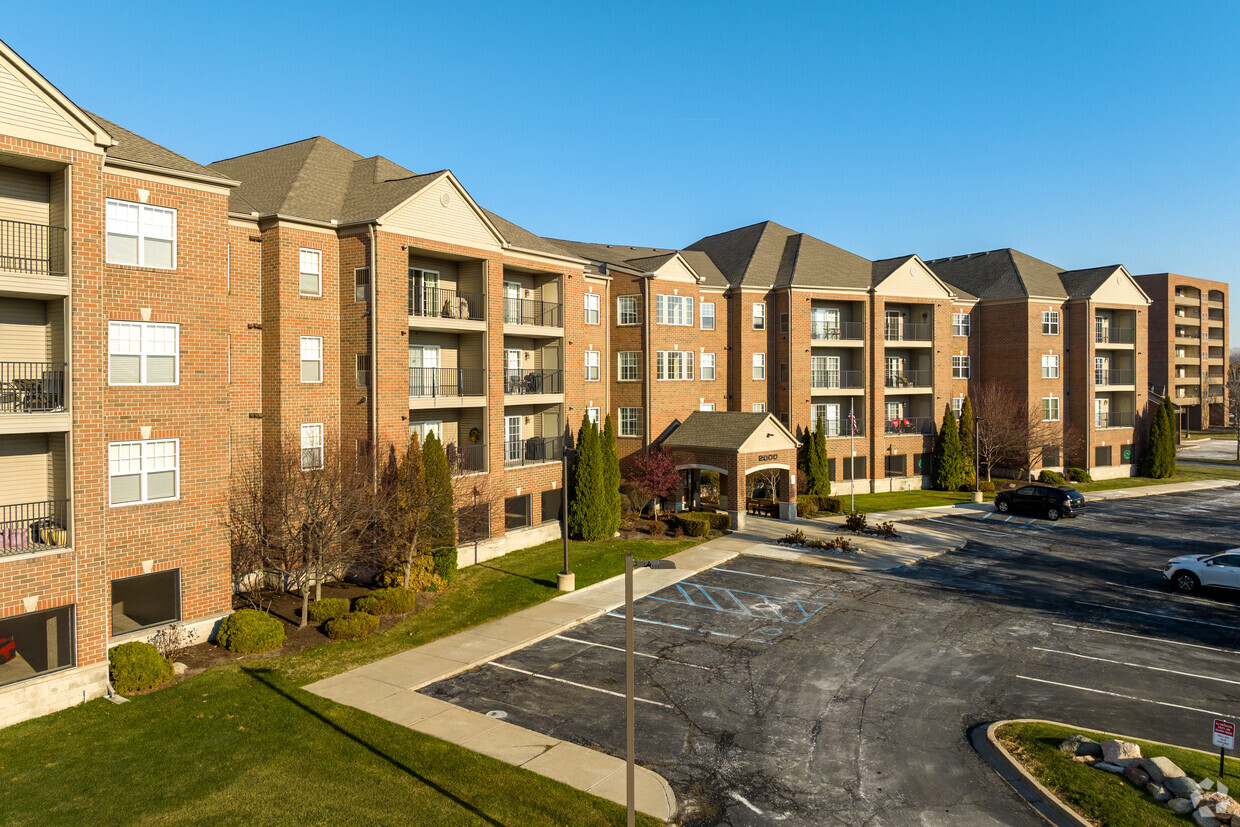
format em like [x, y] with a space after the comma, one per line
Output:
[977, 458]
[566, 581]
[629, 768]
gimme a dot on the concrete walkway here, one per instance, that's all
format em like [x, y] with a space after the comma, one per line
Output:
[387, 687]
[872, 553]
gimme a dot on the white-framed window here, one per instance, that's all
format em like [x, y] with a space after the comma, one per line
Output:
[957, 405]
[512, 439]
[592, 308]
[675, 310]
[592, 414]
[426, 427]
[759, 316]
[708, 315]
[1050, 323]
[141, 234]
[674, 364]
[312, 446]
[960, 324]
[311, 358]
[363, 370]
[1050, 367]
[759, 407]
[628, 365]
[629, 422]
[708, 367]
[361, 284]
[894, 411]
[1050, 409]
[144, 471]
[310, 272]
[706, 406]
[829, 413]
[960, 367]
[759, 366]
[593, 372]
[626, 310]
[143, 353]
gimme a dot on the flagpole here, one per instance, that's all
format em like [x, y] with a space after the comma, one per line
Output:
[852, 468]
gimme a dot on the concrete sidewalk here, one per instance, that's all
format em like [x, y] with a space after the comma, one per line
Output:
[873, 554]
[387, 687]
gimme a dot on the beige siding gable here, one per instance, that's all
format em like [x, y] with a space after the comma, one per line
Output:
[913, 280]
[27, 113]
[443, 212]
[1120, 288]
[675, 269]
[772, 436]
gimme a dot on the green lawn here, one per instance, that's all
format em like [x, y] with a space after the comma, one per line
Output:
[243, 744]
[1101, 797]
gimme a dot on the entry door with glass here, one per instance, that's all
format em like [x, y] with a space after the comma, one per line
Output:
[895, 372]
[833, 372]
[894, 320]
[1102, 370]
[833, 419]
[512, 439]
[424, 287]
[1102, 329]
[423, 370]
[512, 370]
[1102, 412]
[512, 302]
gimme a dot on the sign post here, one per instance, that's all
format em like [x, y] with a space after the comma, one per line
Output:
[1224, 739]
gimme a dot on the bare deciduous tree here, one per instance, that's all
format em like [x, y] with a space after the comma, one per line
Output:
[1233, 399]
[1017, 436]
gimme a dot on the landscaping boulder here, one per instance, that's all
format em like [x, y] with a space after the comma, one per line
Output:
[1080, 745]
[1137, 776]
[1205, 818]
[1180, 805]
[1109, 767]
[1158, 791]
[1160, 769]
[1088, 760]
[1219, 802]
[1121, 753]
[1182, 786]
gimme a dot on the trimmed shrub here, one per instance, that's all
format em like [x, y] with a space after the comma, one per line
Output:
[1079, 475]
[694, 524]
[719, 520]
[657, 528]
[136, 667]
[393, 601]
[855, 522]
[1051, 477]
[352, 626]
[831, 505]
[423, 575]
[249, 631]
[986, 487]
[807, 507]
[322, 611]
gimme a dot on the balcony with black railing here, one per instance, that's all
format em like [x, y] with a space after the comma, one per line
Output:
[1113, 419]
[1114, 377]
[909, 379]
[441, 382]
[828, 331]
[533, 450]
[533, 312]
[32, 249]
[31, 527]
[470, 458]
[836, 379]
[530, 382]
[909, 425]
[1115, 335]
[907, 332]
[32, 387]
[443, 303]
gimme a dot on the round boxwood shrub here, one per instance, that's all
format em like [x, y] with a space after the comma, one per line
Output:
[137, 666]
[393, 601]
[986, 487]
[352, 626]
[1051, 477]
[322, 611]
[1079, 475]
[695, 525]
[423, 575]
[249, 631]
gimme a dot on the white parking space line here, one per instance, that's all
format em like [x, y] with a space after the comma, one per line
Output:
[1125, 697]
[578, 685]
[1147, 638]
[621, 649]
[1136, 665]
[1164, 594]
[974, 528]
[1165, 617]
[769, 577]
[681, 626]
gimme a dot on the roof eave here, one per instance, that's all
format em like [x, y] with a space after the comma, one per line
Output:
[196, 177]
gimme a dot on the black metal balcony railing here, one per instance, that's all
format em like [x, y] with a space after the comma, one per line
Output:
[1115, 336]
[534, 450]
[908, 333]
[1113, 419]
[34, 526]
[836, 379]
[532, 311]
[445, 303]
[434, 382]
[470, 458]
[910, 425]
[32, 248]
[1114, 377]
[533, 381]
[836, 331]
[842, 430]
[909, 379]
[1185, 333]
[32, 387]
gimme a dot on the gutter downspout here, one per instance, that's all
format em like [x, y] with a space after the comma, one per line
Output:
[646, 374]
[373, 390]
[788, 347]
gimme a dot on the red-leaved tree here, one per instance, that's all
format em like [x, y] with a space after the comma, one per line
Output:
[655, 474]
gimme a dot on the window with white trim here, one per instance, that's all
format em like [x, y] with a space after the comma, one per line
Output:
[592, 308]
[676, 365]
[759, 407]
[626, 310]
[960, 367]
[592, 414]
[759, 366]
[674, 310]
[312, 446]
[759, 316]
[706, 406]
[708, 315]
[629, 423]
[311, 359]
[957, 405]
[592, 366]
[143, 471]
[960, 324]
[627, 365]
[142, 235]
[310, 272]
[1050, 409]
[143, 353]
[1050, 323]
[708, 367]
[1050, 367]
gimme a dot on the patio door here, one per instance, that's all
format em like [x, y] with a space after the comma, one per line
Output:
[894, 325]
[512, 302]
[833, 372]
[512, 439]
[512, 370]
[1102, 412]
[833, 419]
[832, 320]
[895, 371]
[1102, 370]
[1102, 329]
[423, 369]
[430, 293]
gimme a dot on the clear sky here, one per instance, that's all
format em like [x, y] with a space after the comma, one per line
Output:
[1081, 133]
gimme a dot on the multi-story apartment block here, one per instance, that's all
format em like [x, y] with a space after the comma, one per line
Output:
[1188, 346]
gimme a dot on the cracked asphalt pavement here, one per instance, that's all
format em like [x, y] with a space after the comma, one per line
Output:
[772, 692]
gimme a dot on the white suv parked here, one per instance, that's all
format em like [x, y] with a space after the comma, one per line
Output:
[1220, 570]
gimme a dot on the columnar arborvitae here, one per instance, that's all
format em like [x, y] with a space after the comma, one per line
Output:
[817, 478]
[611, 476]
[587, 510]
[949, 463]
[966, 440]
[1159, 459]
[442, 516]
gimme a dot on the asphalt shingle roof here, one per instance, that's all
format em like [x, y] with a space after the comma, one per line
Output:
[1001, 274]
[133, 147]
[771, 255]
[716, 430]
[1082, 284]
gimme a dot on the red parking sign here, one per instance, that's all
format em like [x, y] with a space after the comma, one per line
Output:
[1224, 734]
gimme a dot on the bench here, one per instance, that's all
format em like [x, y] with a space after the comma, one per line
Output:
[762, 505]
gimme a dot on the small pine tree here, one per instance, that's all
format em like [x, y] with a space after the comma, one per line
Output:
[406, 521]
[966, 440]
[587, 518]
[611, 476]
[949, 468]
[1158, 461]
[443, 510]
[1172, 432]
[817, 478]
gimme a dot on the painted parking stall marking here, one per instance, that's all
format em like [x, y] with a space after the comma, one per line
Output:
[735, 601]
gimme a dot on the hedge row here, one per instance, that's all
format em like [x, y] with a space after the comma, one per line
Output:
[700, 523]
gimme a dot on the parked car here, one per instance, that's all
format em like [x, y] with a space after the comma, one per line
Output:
[1220, 569]
[1049, 501]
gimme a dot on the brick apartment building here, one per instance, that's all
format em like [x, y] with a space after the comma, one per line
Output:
[163, 324]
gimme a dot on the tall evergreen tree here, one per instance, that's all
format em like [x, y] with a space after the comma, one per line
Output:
[949, 463]
[611, 476]
[966, 440]
[406, 520]
[817, 478]
[1172, 432]
[1158, 461]
[443, 508]
[587, 517]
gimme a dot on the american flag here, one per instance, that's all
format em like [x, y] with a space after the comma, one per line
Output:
[852, 422]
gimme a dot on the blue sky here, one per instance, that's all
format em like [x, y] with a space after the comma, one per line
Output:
[1081, 133]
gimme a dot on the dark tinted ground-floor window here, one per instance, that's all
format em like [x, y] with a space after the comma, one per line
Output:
[145, 600]
[1050, 456]
[552, 504]
[517, 512]
[895, 465]
[1102, 455]
[923, 464]
[473, 522]
[35, 643]
[854, 468]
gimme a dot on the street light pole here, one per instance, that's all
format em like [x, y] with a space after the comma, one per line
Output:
[630, 772]
[977, 457]
[566, 581]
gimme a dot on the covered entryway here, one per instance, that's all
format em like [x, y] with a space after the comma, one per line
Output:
[752, 455]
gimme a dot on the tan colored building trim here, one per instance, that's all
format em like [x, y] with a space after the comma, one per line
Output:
[163, 175]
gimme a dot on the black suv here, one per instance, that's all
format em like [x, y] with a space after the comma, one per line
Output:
[1050, 501]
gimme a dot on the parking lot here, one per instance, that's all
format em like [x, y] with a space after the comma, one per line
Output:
[777, 692]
